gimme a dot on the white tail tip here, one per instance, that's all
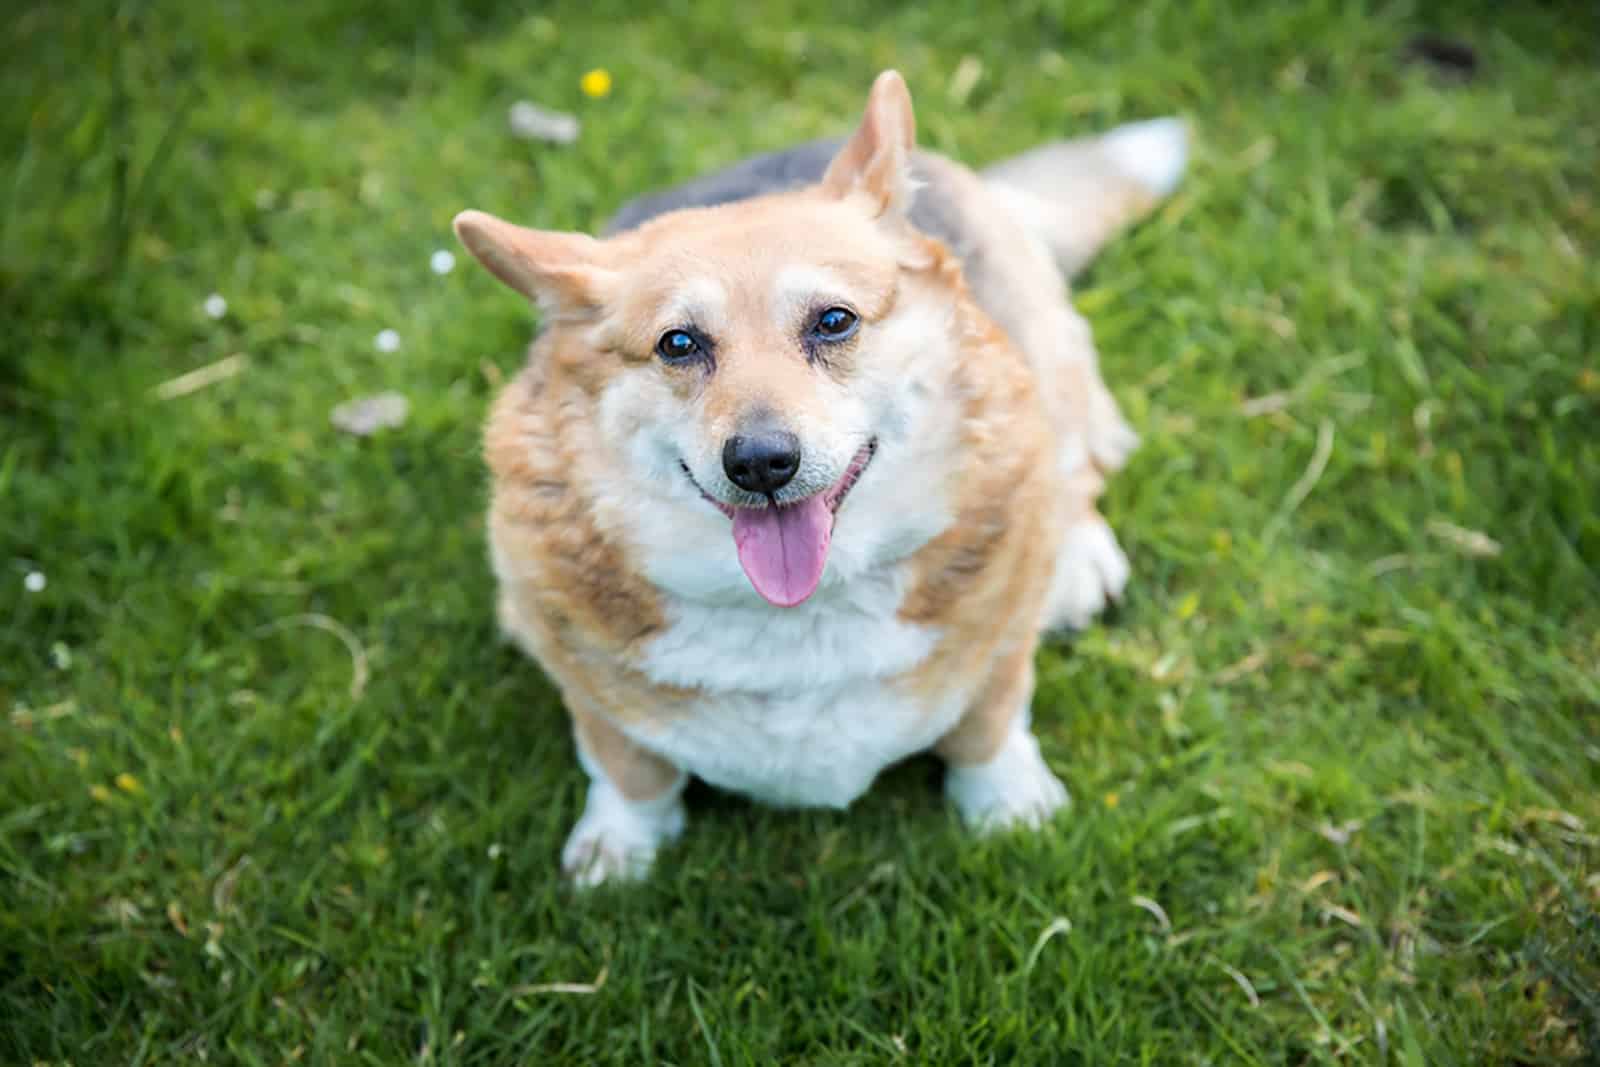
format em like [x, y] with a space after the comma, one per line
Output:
[1153, 153]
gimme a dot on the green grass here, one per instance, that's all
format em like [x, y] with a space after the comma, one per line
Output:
[1353, 763]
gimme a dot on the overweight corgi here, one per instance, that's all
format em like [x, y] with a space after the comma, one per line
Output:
[803, 461]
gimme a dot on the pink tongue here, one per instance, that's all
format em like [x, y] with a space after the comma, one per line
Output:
[782, 550]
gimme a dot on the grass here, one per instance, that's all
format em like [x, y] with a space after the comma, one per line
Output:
[1336, 763]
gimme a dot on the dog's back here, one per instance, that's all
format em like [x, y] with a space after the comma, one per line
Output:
[771, 172]
[1072, 195]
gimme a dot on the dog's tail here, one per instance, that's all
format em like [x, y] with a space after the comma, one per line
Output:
[1077, 195]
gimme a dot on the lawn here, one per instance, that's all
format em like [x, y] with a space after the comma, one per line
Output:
[271, 791]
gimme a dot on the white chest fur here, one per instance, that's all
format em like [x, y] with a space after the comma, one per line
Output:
[799, 708]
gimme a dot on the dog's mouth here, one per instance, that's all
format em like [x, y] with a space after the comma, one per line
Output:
[783, 547]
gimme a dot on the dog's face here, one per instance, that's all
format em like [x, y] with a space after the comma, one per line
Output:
[753, 358]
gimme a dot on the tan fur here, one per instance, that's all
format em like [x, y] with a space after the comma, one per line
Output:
[568, 593]
[1003, 697]
[1021, 291]
[638, 774]
[1005, 444]
[873, 162]
[983, 581]
[1020, 391]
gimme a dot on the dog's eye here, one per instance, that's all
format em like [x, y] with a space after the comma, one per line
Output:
[835, 324]
[676, 346]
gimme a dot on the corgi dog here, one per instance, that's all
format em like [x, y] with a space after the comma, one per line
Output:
[803, 461]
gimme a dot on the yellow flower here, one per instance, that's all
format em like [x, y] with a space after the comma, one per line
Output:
[100, 792]
[1112, 800]
[128, 783]
[596, 83]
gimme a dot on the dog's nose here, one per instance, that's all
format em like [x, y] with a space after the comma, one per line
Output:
[762, 462]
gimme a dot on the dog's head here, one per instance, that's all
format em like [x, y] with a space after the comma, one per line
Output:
[758, 358]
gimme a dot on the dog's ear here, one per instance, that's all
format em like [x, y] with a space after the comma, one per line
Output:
[876, 160]
[560, 271]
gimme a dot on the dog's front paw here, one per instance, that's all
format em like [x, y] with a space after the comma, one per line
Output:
[616, 840]
[1016, 788]
[1091, 573]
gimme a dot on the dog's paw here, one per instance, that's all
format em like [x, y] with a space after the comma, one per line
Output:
[1111, 440]
[1091, 573]
[1016, 788]
[617, 840]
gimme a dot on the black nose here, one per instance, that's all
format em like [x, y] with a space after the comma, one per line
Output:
[762, 462]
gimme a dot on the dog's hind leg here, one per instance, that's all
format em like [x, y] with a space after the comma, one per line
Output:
[1086, 415]
[1022, 291]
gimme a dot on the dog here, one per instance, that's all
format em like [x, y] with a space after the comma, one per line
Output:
[803, 462]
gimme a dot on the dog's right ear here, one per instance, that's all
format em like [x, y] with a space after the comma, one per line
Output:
[560, 271]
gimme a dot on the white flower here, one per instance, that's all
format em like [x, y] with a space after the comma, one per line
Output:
[34, 582]
[216, 306]
[387, 341]
[442, 262]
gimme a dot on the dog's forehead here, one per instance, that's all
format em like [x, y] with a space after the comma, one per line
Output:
[776, 253]
[781, 287]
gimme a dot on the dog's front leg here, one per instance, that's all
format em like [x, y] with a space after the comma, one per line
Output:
[635, 806]
[994, 773]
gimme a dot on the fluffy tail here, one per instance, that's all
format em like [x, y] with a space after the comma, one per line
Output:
[1077, 195]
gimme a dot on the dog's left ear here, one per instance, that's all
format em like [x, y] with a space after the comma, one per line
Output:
[876, 161]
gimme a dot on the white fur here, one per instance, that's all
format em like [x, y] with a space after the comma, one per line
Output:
[1091, 572]
[617, 839]
[847, 632]
[1014, 788]
[1153, 152]
[686, 544]
[800, 288]
[799, 709]
[699, 300]
[1072, 454]
[1111, 439]
[822, 747]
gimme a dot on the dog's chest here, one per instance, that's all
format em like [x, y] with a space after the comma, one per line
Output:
[801, 707]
